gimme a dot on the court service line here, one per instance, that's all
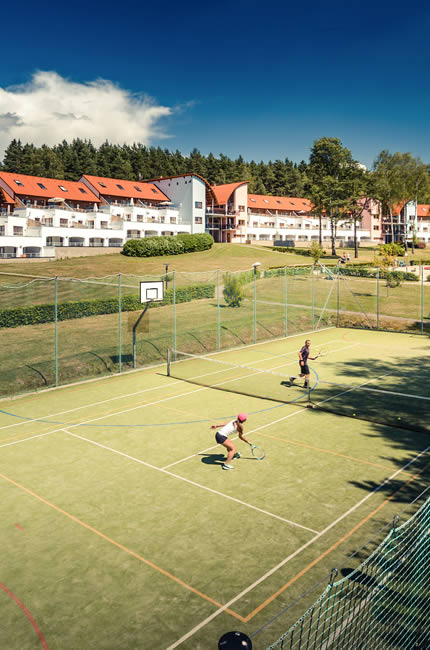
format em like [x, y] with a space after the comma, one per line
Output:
[290, 557]
[186, 480]
[115, 543]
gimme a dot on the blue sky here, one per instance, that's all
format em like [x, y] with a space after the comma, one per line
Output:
[263, 80]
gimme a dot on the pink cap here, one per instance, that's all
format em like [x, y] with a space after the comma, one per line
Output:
[242, 417]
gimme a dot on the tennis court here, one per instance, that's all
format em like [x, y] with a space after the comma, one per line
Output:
[121, 530]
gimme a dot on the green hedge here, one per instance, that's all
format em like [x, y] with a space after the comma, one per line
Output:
[37, 314]
[363, 272]
[167, 245]
[287, 270]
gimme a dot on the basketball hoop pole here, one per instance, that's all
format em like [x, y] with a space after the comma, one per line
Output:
[135, 326]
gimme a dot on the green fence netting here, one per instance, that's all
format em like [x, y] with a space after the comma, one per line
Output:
[58, 330]
[383, 604]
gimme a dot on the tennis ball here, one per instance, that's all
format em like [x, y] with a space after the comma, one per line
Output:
[353, 415]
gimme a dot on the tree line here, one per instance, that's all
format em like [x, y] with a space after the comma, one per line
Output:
[69, 161]
[334, 182]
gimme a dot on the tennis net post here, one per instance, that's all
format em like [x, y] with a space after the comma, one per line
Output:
[169, 358]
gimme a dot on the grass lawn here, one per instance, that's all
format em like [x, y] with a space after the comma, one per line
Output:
[231, 257]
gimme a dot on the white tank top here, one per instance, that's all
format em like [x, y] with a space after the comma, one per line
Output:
[228, 428]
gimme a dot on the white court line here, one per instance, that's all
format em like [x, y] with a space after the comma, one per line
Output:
[126, 373]
[108, 415]
[143, 391]
[186, 480]
[111, 399]
[290, 557]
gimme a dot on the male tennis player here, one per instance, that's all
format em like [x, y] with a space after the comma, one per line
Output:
[303, 361]
[222, 435]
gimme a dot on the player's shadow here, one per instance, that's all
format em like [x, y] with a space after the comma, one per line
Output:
[213, 459]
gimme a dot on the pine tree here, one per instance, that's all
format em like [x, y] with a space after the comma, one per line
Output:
[12, 161]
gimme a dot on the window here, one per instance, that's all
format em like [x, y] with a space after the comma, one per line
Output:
[19, 183]
[102, 184]
[18, 230]
[241, 208]
[197, 220]
[140, 217]
[253, 200]
[41, 185]
[265, 201]
[375, 227]
[64, 222]
[137, 188]
[154, 190]
[198, 204]
[81, 189]
[62, 188]
[278, 201]
[103, 224]
[119, 186]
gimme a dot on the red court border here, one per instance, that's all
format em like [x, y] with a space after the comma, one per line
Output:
[28, 615]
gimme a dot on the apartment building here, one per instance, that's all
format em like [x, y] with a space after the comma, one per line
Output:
[407, 220]
[41, 214]
[282, 219]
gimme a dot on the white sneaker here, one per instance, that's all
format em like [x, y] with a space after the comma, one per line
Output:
[225, 466]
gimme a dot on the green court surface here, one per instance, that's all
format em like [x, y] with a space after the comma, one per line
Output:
[121, 530]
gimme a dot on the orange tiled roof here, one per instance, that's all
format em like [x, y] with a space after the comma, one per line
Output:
[5, 198]
[284, 203]
[422, 210]
[47, 188]
[224, 192]
[126, 189]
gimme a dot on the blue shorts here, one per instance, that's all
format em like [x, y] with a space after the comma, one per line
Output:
[220, 438]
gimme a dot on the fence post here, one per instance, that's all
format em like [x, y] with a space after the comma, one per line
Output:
[285, 301]
[338, 296]
[422, 296]
[174, 315]
[56, 331]
[377, 298]
[218, 313]
[119, 323]
[255, 304]
[313, 299]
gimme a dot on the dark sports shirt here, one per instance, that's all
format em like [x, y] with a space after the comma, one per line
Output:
[305, 353]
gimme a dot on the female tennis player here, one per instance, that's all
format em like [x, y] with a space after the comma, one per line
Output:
[222, 435]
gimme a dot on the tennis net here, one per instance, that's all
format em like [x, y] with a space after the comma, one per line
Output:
[233, 378]
[381, 404]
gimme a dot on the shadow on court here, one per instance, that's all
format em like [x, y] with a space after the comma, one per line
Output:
[219, 459]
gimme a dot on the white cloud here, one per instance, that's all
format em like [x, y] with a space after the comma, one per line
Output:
[49, 109]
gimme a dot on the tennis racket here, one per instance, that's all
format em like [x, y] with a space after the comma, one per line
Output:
[258, 452]
[321, 353]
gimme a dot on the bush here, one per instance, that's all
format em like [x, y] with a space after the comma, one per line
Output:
[37, 314]
[233, 288]
[167, 245]
[392, 250]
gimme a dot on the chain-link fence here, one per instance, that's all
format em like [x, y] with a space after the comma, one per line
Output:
[60, 330]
